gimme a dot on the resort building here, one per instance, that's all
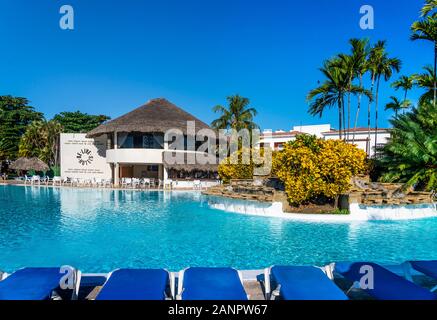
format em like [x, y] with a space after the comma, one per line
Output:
[358, 136]
[134, 146]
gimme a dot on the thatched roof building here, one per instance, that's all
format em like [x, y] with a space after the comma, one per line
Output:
[157, 115]
[25, 164]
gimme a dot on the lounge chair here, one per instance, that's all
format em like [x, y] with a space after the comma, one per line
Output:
[386, 284]
[136, 284]
[300, 283]
[210, 284]
[428, 268]
[35, 284]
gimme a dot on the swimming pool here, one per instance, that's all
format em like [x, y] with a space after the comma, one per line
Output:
[100, 230]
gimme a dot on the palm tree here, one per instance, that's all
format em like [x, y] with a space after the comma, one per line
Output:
[430, 5]
[410, 156]
[426, 81]
[332, 91]
[396, 105]
[381, 66]
[404, 82]
[426, 29]
[238, 115]
[360, 52]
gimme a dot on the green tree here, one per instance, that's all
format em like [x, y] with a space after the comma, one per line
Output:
[425, 81]
[360, 53]
[381, 67]
[410, 156]
[15, 116]
[237, 115]
[397, 105]
[426, 29]
[429, 7]
[41, 140]
[78, 122]
[333, 90]
[405, 83]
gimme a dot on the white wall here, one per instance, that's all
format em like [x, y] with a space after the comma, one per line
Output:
[316, 130]
[361, 139]
[82, 157]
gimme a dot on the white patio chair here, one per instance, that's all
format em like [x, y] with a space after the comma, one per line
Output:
[146, 183]
[27, 179]
[135, 182]
[168, 184]
[56, 181]
[197, 185]
[36, 179]
[126, 182]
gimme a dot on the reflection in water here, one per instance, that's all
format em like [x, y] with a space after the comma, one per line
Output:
[100, 230]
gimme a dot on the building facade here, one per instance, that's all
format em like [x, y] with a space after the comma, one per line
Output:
[359, 136]
[135, 146]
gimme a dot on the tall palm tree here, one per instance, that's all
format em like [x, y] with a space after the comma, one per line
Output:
[348, 64]
[360, 53]
[426, 29]
[426, 81]
[237, 115]
[404, 82]
[429, 7]
[333, 90]
[381, 66]
[397, 105]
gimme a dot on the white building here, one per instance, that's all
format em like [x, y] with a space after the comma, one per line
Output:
[133, 146]
[358, 136]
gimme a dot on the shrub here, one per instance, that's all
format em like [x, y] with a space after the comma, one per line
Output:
[311, 167]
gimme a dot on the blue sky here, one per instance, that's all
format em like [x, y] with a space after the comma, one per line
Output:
[193, 52]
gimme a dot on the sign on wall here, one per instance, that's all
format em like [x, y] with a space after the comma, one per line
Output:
[83, 158]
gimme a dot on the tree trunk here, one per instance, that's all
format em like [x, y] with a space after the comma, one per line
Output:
[348, 114]
[376, 112]
[339, 117]
[344, 118]
[358, 110]
[369, 114]
[435, 71]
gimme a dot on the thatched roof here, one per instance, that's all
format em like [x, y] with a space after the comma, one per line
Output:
[186, 166]
[29, 164]
[157, 115]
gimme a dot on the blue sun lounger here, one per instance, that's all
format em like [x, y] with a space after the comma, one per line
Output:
[210, 284]
[36, 284]
[136, 284]
[386, 284]
[428, 268]
[300, 283]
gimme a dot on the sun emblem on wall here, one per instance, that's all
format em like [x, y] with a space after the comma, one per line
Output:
[85, 157]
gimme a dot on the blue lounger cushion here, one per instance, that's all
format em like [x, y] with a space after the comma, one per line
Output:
[30, 284]
[305, 283]
[212, 284]
[426, 267]
[387, 285]
[135, 284]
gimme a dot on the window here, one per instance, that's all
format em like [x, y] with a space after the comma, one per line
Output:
[138, 140]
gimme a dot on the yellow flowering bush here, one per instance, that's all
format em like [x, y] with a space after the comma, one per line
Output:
[310, 167]
[229, 169]
[245, 163]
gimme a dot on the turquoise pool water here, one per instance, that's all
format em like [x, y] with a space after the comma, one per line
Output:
[100, 230]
